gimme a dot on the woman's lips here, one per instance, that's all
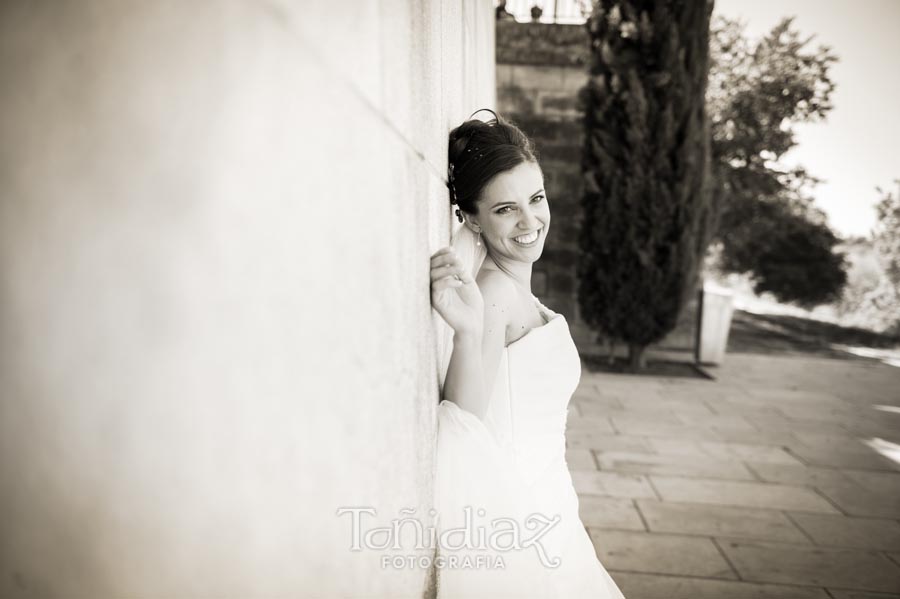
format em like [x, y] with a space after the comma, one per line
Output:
[528, 239]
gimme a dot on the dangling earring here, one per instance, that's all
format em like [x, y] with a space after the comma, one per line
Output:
[478, 242]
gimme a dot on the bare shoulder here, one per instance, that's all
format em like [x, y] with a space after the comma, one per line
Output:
[499, 294]
[496, 286]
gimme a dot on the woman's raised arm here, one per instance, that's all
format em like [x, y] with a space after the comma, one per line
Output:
[478, 318]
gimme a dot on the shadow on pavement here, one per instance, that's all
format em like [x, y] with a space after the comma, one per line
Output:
[780, 334]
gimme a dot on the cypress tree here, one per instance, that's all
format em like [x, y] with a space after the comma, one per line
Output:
[647, 204]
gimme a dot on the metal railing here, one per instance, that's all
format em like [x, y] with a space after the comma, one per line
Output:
[553, 11]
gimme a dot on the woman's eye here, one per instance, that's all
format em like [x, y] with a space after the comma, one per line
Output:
[506, 209]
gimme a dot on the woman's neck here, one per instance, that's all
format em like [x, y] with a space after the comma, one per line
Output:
[519, 272]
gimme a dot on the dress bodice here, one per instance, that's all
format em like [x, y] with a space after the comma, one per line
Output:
[527, 410]
[511, 464]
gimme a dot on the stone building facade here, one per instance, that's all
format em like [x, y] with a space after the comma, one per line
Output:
[216, 220]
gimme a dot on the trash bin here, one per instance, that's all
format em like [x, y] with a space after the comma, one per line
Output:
[716, 307]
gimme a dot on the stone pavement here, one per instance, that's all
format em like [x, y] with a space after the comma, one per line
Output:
[769, 482]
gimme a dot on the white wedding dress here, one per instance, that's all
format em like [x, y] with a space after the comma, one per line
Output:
[512, 465]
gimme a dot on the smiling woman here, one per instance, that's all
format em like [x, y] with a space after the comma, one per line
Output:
[511, 373]
[514, 211]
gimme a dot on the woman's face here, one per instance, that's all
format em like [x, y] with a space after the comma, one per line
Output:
[514, 215]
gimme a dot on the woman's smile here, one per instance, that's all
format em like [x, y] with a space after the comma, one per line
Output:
[528, 239]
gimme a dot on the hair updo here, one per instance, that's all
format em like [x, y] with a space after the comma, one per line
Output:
[480, 150]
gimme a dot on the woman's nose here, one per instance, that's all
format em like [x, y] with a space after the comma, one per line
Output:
[529, 221]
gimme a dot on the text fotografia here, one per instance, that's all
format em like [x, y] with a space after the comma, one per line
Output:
[451, 562]
[501, 535]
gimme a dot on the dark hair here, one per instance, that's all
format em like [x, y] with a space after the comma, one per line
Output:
[480, 150]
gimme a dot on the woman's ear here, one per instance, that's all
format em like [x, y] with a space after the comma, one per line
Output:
[472, 224]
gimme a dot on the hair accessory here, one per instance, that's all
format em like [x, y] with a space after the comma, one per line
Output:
[450, 184]
[496, 118]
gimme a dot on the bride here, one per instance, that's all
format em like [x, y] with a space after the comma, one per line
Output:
[506, 508]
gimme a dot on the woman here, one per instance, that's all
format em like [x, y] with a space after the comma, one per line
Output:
[507, 510]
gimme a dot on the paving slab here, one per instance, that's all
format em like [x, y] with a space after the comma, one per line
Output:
[844, 594]
[580, 459]
[710, 520]
[628, 425]
[759, 561]
[793, 474]
[726, 421]
[660, 553]
[781, 424]
[673, 464]
[847, 455]
[655, 586]
[732, 403]
[683, 407]
[609, 512]
[596, 402]
[609, 442]
[785, 396]
[661, 415]
[818, 519]
[612, 484]
[742, 451]
[856, 500]
[843, 531]
[578, 418]
[588, 424]
[868, 427]
[740, 493]
[757, 437]
[887, 483]
[579, 430]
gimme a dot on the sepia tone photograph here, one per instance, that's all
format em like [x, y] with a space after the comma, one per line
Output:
[449, 299]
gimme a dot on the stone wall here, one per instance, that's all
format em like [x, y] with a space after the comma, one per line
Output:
[540, 68]
[215, 229]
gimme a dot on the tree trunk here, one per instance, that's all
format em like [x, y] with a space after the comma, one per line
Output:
[610, 350]
[637, 359]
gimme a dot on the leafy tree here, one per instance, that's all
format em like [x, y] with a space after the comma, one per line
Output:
[782, 261]
[646, 167]
[887, 236]
[872, 296]
[767, 224]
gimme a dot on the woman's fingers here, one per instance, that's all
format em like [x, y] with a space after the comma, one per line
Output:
[446, 264]
[465, 276]
[443, 270]
[447, 269]
[443, 250]
[444, 256]
[445, 283]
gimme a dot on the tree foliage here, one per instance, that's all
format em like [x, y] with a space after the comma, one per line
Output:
[646, 164]
[796, 263]
[872, 296]
[767, 224]
[886, 236]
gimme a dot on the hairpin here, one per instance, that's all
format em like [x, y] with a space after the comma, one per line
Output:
[450, 184]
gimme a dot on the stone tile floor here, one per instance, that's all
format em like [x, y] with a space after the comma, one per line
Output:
[770, 482]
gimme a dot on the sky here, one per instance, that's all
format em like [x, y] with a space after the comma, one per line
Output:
[855, 148]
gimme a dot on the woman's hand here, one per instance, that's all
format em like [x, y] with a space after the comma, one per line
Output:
[454, 293]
